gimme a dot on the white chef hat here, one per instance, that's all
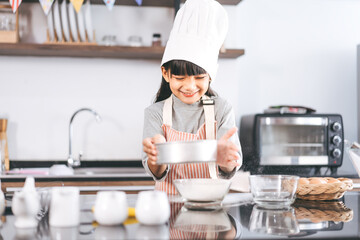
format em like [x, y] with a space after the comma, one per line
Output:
[198, 33]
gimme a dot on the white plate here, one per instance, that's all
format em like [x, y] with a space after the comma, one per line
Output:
[72, 20]
[88, 21]
[81, 25]
[50, 24]
[64, 21]
[57, 20]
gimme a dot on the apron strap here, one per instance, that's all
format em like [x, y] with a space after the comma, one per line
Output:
[208, 105]
[167, 112]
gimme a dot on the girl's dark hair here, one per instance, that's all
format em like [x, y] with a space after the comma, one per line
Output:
[179, 67]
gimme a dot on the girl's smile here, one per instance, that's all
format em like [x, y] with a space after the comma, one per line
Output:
[188, 94]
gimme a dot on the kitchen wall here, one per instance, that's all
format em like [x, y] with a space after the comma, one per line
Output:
[296, 52]
[358, 90]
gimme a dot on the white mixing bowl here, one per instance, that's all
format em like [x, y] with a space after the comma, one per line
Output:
[202, 189]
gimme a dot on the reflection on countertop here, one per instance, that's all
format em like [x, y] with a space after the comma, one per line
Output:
[239, 220]
[305, 218]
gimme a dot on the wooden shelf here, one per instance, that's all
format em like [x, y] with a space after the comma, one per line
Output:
[146, 3]
[92, 51]
[158, 3]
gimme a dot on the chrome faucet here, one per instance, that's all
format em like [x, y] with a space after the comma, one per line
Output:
[71, 161]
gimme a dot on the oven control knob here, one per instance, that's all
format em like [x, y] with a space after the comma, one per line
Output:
[336, 140]
[336, 126]
[336, 153]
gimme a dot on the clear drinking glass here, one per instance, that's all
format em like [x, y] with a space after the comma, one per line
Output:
[273, 191]
[135, 41]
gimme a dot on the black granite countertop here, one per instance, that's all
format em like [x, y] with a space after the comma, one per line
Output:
[238, 219]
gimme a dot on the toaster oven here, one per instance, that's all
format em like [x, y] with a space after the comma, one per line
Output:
[283, 140]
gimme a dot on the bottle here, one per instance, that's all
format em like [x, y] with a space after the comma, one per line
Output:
[4, 153]
[156, 40]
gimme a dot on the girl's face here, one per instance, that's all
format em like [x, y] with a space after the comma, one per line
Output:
[189, 89]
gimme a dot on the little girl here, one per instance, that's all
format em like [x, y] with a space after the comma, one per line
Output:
[186, 108]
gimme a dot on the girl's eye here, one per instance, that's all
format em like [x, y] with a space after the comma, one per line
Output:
[200, 77]
[179, 78]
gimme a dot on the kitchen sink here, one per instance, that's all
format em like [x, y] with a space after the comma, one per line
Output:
[109, 170]
[87, 178]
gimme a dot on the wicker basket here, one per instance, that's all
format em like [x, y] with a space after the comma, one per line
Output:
[327, 191]
[318, 211]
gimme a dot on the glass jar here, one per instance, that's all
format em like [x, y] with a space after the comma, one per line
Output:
[156, 40]
[109, 40]
[135, 41]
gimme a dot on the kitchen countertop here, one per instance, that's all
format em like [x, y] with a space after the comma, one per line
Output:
[92, 176]
[306, 219]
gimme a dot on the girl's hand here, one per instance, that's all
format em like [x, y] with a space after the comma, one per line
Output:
[227, 152]
[150, 149]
